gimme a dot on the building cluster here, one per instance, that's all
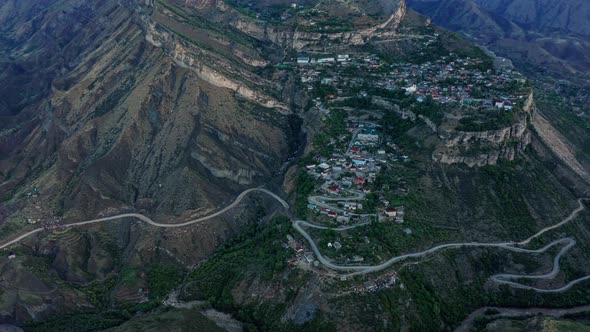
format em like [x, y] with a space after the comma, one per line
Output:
[35, 213]
[450, 79]
[384, 281]
[457, 80]
[349, 175]
[303, 256]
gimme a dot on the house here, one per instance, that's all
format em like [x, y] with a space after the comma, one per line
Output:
[355, 149]
[359, 180]
[411, 89]
[352, 206]
[337, 245]
[370, 285]
[359, 162]
[343, 57]
[391, 212]
[303, 60]
[326, 60]
[369, 135]
[343, 219]
[499, 104]
[333, 188]
[332, 214]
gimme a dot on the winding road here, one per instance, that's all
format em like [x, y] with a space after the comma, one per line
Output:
[153, 223]
[364, 269]
[505, 278]
[502, 312]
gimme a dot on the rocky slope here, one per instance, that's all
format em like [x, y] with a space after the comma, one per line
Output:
[170, 108]
[485, 147]
[568, 16]
[109, 107]
[553, 34]
[114, 106]
[474, 149]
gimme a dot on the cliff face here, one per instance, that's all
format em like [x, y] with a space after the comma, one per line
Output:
[485, 147]
[301, 39]
[474, 148]
[119, 104]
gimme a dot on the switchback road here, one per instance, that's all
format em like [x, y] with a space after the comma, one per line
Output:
[363, 269]
[499, 278]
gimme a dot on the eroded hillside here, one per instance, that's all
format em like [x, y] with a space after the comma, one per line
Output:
[390, 135]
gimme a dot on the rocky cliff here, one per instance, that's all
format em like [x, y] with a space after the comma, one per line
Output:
[473, 148]
[121, 103]
[485, 147]
[302, 39]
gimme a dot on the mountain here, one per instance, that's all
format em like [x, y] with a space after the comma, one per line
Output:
[552, 34]
[97, 114]
[561, 17]
[274, 165]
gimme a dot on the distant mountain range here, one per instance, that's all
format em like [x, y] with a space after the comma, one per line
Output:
[553, 34]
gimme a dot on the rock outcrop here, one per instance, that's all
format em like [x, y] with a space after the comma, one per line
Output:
[474, 148]
[302, 40]
[485, 147]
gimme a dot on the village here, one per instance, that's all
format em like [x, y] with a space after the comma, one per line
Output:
[347, 176]
[353, 154]
[463, 82]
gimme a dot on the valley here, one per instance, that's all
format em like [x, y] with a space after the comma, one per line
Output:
[279, 166]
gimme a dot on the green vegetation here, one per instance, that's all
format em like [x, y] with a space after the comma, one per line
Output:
[333, 25]
[304, 186]
[162, 279]
[430, 109]
[12, 226]
[255, 255]
[323, 90]
[82, 322]
[98, 292]
[113, 99]
[333, 126]
[355, 102]
[170, 320]
[257, 250]
[492, 120]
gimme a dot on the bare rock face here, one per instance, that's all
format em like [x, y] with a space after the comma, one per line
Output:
[475, 149]
[485, 147]
[378, 30]
[116, 107]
